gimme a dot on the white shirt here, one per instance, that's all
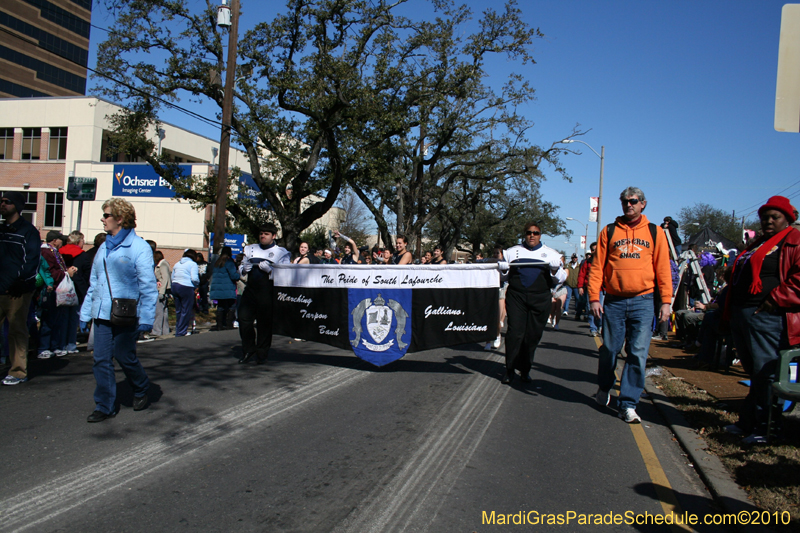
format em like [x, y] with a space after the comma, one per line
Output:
[274, 254]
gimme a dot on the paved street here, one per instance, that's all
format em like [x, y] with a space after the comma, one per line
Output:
[317, 440]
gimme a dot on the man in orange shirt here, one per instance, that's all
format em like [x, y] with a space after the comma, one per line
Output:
[631, 263]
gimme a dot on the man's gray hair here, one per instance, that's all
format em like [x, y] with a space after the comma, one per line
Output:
[632, 191]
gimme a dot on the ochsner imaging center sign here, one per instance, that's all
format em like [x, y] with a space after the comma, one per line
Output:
[141, 180]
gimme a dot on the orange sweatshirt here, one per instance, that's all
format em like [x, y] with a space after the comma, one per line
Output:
[631, 265]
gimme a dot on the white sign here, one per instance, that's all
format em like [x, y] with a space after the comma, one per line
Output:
[593, 201]
[583, 242]
[787, 93]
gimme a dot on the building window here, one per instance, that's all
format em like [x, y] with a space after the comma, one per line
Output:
[6, 143]
[31, 143]
[58, 143]
[29, 209]
[53, 209]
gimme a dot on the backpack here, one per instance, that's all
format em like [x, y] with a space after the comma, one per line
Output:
[610, 233]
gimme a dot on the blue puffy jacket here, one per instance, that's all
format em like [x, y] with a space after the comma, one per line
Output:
[223, 281]
[130, 269]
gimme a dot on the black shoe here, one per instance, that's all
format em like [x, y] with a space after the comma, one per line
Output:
[507, 379]
[140, 402]
[98, 416]
[246, 357]
[526, 378]
[261, 360]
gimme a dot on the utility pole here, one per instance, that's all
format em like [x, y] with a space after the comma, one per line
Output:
[225, 139]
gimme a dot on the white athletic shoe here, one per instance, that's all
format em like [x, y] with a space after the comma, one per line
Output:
[629, 415]
[497, 341]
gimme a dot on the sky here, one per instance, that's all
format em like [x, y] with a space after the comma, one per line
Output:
[681, 94]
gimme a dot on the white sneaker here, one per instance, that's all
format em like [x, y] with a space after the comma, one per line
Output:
[629, 415]
[602, 397]
[497, 341]
[60, 353]
[235, 324]
[565, 313]
[46, 354]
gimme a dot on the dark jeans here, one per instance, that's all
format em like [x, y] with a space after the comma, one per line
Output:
[581, 307]
[118, 343]
[709, 335]
[256, 305]
[224, 314]
[53, 333]
[184, 308]
[758, 338]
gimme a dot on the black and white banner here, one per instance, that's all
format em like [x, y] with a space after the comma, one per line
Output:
[382, 312]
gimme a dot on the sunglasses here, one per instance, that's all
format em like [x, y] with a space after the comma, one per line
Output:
[533, 233]
[632, 201]
[107, 215]
[6, 202]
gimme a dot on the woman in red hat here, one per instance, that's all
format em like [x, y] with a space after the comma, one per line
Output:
[763, 302]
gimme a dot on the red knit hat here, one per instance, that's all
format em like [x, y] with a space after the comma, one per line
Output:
[782, 204]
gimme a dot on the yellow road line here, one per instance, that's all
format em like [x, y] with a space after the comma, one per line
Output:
[663, 488]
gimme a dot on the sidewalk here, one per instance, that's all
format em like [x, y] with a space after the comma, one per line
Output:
[722, 384]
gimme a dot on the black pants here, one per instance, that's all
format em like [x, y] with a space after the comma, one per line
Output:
[256, 306]
[223, 313]
[527, 312]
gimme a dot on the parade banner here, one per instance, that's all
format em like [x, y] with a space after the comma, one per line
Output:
[594, 201]
[384, 312]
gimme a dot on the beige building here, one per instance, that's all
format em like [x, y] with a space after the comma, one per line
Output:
[44, 141]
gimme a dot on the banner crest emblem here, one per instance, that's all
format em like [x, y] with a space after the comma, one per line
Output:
[380, 324]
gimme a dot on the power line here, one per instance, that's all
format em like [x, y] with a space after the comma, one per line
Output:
[758, 204]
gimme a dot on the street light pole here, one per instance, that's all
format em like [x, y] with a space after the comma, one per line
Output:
[602, 156]
[585, 235]
[225, 138]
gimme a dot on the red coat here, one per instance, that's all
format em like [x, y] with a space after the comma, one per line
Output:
[787, 294]
[583, 274]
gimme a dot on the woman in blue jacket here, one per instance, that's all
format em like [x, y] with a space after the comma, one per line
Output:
[185, 279]
[223, 287]
[123, 267]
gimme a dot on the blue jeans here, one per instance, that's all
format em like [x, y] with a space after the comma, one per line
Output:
[594, 324]
[119, 343]
[625, 321]
[73, 321]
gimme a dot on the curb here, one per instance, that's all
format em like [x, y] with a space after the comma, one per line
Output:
[730, 496]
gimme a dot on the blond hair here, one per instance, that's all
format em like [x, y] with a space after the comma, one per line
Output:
[122, 210]
[75, 237]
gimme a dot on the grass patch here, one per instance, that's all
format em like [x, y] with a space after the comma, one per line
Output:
[770, 473]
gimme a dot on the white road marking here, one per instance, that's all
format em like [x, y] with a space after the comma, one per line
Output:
[53, 498]
[411, 498]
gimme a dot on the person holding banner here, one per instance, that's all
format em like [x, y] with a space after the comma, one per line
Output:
[528, 299]
[258, 299]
